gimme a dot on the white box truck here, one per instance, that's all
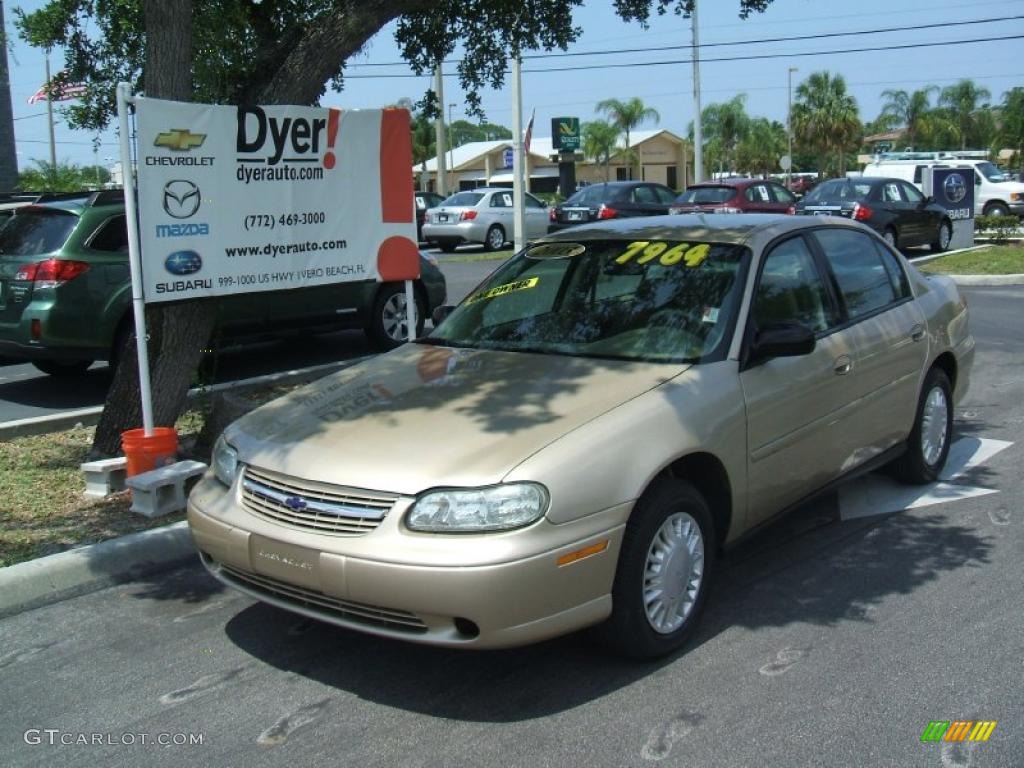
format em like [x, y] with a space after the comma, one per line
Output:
[994, 193]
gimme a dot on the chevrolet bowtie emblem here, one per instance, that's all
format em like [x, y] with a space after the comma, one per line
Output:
[179, 139]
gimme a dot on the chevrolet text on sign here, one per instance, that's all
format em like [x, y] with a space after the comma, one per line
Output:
[248, 198]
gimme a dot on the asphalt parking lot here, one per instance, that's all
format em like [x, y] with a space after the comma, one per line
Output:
[831, 639]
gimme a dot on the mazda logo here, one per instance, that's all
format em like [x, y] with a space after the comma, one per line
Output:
[955, 188]
[181, 198]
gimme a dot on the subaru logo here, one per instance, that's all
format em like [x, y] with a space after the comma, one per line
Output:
[183, 263]
[295, 504]
[955, 188]
[181, 199]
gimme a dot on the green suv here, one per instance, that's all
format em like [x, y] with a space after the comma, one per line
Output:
[65, 291]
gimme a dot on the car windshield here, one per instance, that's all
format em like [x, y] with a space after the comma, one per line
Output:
[468, 199]
[32, 233]
[991, 173]
[706, 195]
[839, 189]
[652, 300]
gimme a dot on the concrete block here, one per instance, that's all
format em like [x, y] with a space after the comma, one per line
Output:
[105, 476]
[162, 491]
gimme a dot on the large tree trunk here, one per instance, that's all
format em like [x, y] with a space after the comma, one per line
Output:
[177, 332]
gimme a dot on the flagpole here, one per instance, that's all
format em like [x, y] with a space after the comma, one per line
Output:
[49, 116]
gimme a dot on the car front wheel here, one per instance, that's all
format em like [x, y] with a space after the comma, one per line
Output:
[890, 237]
[389, 323]
[664, 570]
[997, 209]
[928, 443]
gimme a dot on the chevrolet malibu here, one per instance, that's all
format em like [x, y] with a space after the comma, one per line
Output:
[576, 443]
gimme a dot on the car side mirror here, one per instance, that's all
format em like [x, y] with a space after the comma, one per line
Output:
[782, 339]
[440, 313]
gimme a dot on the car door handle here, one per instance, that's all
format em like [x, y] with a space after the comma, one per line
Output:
[917, 332]
[842, 365]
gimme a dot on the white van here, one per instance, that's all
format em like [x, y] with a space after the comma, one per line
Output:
[994, 193]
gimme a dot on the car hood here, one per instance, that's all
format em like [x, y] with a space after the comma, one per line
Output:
[425, 416]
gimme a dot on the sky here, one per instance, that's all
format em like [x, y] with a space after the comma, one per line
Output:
[995, 64]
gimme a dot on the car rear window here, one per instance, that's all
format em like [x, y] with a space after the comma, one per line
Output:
[464, 198]
[706, 195]
[839, 189]
[38, 231]
[591, 195]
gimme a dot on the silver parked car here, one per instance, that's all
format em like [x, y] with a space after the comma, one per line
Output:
[481, 216]
[578, 439]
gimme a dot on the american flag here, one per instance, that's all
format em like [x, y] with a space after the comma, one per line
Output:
[62, 91]
[529, 132]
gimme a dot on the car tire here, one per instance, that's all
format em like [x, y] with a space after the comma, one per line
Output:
[928, 444]
[890, 237]
[495, 238]
[62, 368]
[387, 326]
[997, 209]
[945, 235]
[447, 246]
[671, 525]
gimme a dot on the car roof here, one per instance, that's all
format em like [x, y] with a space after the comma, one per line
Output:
[735, 181]
[730, 228]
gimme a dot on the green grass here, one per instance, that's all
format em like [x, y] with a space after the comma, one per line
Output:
[998, 260]
[42, 506]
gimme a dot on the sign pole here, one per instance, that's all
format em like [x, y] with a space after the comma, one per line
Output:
[124, 98]
[518, 187]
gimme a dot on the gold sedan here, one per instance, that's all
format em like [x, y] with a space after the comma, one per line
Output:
[576, 442]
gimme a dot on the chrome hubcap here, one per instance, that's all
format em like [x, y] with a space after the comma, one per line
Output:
[890, 238]
[934, 424]
[395, 318]
[673, 573]
[944, 236]
[496, 239]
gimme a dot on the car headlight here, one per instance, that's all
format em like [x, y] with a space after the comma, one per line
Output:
[469, 510]
[225, 462]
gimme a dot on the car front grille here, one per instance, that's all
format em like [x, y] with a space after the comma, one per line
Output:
[313, 506]
[325, 605]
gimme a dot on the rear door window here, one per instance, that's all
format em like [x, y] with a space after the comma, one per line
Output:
[643, 195]
[35, 232]
[864, 282]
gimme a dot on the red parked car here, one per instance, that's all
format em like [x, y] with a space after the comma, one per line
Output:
[735, 196]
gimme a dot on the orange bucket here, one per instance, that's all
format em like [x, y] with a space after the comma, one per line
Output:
[146, 453]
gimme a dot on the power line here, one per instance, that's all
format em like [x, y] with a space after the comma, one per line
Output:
[751, 57]
[787, 39]
[26, 117]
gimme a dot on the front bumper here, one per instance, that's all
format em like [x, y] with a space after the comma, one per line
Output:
[475, 591]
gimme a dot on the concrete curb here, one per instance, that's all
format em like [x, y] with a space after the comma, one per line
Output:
[987, 279]
[87, 417]
[79, 571]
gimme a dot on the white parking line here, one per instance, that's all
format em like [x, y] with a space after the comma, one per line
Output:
[876, 494]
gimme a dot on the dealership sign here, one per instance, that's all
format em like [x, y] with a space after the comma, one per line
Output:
[248, 198]
[953, 189]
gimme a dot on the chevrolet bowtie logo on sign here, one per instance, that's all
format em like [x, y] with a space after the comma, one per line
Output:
[179, 139]
[958, 730]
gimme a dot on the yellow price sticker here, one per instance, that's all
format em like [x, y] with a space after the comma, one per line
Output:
[501, 290]
[644, 251]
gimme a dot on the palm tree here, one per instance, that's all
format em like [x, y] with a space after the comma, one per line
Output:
[825, 118]
[599, 139]
[728, 124]
[1011, 121]
[760, 150]
[627, 115]
[911, 110]
[963, 100]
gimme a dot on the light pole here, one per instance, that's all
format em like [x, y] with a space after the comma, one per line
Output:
[698, 132]
[451, 159]
[789, 125]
